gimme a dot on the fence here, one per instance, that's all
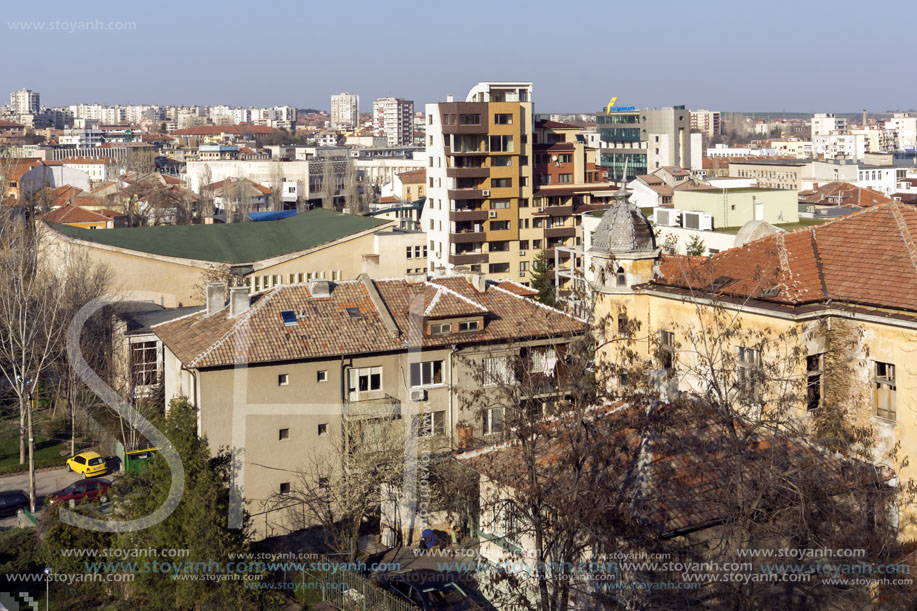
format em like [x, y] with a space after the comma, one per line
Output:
[350, 591]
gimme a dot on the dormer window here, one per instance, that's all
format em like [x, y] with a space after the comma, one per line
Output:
[441, 328]
[620, 277]
[469, 325]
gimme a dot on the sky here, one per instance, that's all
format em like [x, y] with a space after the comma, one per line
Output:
[777, 56]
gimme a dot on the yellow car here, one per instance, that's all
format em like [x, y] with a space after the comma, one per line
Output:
[89, 464]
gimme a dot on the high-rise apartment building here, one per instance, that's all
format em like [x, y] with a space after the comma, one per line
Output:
[706, 122]
[393, 119]
[825, 124]
[345, 111]
[25, 101]
[636, 142]
[479, 211]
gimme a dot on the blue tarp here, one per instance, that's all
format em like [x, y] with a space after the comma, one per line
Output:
[272, 215]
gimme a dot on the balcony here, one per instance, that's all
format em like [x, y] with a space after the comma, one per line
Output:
[467, 172]
[560, 232]
[468, 237]
[556, 210]
[380, 406]
[468, 215]
[470, 258]
[483, 150]
[465, 193]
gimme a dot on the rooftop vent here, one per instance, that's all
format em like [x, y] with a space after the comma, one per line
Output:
[320, 288]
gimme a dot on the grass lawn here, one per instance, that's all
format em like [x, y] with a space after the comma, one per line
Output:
[47, 451]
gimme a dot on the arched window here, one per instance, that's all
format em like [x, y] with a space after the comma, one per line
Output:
[621, 277]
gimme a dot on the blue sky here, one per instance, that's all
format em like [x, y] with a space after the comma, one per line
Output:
[803, 56]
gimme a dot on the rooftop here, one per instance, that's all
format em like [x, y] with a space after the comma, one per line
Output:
[324, 328]
[232, 242]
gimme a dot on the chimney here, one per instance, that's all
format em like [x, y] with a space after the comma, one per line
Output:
[449, 98]
[215, 301]
[371, 265]
[415, 278]
[465, 436]
[476, 279]
[238, 300]
[320, 288]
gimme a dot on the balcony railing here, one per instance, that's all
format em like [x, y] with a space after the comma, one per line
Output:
[384, 406]
[468, 258]
[468, 237]
[468, 215]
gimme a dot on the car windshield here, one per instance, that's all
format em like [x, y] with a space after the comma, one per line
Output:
[96, 461]
[448, 594]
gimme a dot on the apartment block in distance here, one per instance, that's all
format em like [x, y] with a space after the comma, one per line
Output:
[345, 111]
[479, 181]
[706, 122]
[393, 119]
[636, 142]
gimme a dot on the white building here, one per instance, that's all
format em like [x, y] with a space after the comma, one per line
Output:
[828, 123]
[25, 101]
[345, 111]
[906, 127]
[839, 146]
[393, 119]
[706, 121]
[879, 178]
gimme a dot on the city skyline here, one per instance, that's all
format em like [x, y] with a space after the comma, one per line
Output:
[700, 58]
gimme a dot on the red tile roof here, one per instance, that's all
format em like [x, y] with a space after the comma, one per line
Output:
[85, 160]
[242, 129]
[843, 194]
[413, 177]
[326, 329]
[867, 258]
[74, 214]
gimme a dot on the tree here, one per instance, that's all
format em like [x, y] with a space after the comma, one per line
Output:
[352, 198]
[339, 488]
[541, 279]
[695, 246]
[276, 186]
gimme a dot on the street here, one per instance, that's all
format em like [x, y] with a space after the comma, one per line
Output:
[45, 483]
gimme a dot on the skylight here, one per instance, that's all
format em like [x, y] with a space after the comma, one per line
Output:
[354, 313]
[289, 318]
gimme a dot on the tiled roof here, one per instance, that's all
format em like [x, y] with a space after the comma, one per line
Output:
[669, 468]
[243, 129]
[326, 329]
[75, 214]
[674, 170]
[865, 258]
[85, 160]
[843, 194]
[413, 177]
[650, 179]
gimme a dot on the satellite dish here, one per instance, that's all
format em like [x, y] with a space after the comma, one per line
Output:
[553, 157]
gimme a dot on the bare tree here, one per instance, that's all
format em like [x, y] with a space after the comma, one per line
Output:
[328, 184]
[276, 186]
[353, 202]
[339, 488]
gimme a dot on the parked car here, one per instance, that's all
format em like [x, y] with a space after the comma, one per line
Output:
[428, 590]
[81, 491]
[12, 501]
[88, 463]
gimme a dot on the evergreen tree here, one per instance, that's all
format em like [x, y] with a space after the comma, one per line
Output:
[541, 279]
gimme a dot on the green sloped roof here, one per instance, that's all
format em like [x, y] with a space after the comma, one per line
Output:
[231, 242]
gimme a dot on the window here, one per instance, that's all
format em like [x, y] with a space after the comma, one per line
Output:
[666, 349]
[536, 244]
[523, 266]
[501, 162]
[501, 183]
[622, 324]
[561, 178]
[427, 425]
[283, 379]
[493, 421]
[469, 119]
[427, 373]
[498, 268]
[145, 363]
[322, 430]
[322, 375]
[499, 204]
[748, 369]
[285, 488]
[499, 225]
[620, 277]
[503, 119]
[565, 158]
[884, 390]
[284, 434]
[468, 325]
[440, 328]
[523, 244]
[814, 368]
[409, 252]
[364, 380]
[500, 245]
[501, 144]
[497, 371]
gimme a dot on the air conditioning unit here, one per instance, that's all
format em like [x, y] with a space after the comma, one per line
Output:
[486, 192]
[697, 220]
[492, 214]
[521, 253]
[667, 217]
[419, 395]
[522, 274]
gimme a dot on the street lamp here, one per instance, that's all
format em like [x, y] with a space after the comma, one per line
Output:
[47, 585]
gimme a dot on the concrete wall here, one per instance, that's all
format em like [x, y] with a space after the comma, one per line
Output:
[735, 207]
